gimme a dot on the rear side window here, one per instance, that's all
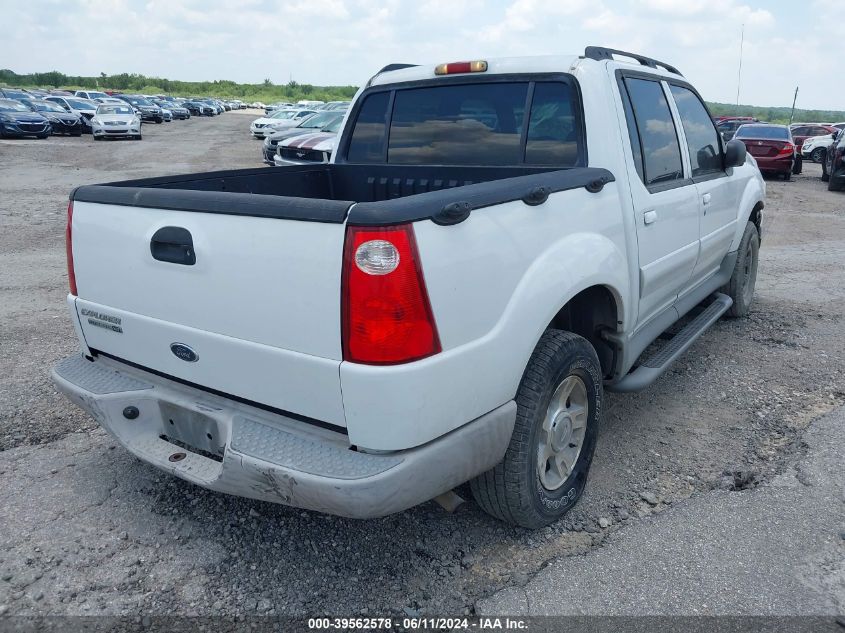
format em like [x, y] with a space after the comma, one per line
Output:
[656, 129]
[553, 128]
[367, 144]
[479, 123]
[705, 151]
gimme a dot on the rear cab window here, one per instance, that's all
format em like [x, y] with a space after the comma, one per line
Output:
[499, 122]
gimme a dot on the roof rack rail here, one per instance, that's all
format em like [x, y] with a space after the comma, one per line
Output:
[387, 69]
[391, 67]
[599, 53]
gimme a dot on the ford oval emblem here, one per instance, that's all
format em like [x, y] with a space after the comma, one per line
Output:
[184, 352]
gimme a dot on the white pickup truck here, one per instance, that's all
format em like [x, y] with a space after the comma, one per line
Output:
[493, 245]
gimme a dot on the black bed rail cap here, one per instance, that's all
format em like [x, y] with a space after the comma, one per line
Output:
[599, 53]
[453, 205]
[218, 202]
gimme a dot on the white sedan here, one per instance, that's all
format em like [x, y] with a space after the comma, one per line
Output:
[278, 120]
[116, 120]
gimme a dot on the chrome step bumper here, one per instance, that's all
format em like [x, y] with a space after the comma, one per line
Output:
[239, 449]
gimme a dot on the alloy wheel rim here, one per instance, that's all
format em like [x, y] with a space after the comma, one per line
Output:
[562, 433]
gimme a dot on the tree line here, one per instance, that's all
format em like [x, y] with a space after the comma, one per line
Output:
[266, 91]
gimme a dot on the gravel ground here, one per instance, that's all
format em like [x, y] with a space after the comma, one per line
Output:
[87, 529]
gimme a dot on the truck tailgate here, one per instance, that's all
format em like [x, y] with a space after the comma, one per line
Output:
[259, 307]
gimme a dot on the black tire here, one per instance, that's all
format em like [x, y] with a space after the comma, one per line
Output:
[512, 491]
[76, 133]
[741, 285]
[138, 137]
[787, 175]
[798, 166]
[42, 136]
[818, 155]
[832, 185]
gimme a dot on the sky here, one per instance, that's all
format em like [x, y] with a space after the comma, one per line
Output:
[343, 42]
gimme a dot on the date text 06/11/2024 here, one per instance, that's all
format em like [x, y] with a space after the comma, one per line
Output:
[419, 624]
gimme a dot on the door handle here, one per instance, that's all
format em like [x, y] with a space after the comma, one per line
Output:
[649, 217]
[706, 198]
[174, 245]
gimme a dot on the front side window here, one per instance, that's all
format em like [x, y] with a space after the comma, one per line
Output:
[658, 136]
[705, 152]
[478, 123]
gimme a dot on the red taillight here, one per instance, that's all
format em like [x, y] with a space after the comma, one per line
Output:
[71, 275]
[386, 314]
[786, 150]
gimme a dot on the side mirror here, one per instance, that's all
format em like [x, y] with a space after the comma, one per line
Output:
[735, 153]
[833, 135]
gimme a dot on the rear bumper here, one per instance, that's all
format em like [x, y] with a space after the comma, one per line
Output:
[238, 449]
[780, 165]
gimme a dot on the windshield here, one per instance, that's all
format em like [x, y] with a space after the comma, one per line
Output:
[12, 106]
[47, 106]
[96, 95]
[773, 132]
[282, 114]
[138, 101]
[17, 94]
[79, 105]
[334, 126]
[115, 109]
[318, 120]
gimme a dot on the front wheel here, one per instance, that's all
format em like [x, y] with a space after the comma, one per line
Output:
[544, 470]
[817, 155]
[741, 285]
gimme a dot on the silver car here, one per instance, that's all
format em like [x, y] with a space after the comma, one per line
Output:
[116, 120]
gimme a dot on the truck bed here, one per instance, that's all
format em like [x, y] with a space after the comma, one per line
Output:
[326, 193]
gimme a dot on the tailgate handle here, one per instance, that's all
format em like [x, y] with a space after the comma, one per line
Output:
[174, 245]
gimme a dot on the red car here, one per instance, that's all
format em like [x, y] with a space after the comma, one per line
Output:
[803, 131]
[772, 146]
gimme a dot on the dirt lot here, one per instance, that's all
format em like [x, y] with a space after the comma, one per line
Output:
[87, 529]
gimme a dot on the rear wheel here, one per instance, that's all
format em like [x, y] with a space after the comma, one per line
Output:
[832, 185]
[545, 467]
[798, 166]
[787, 175]
[740, 287]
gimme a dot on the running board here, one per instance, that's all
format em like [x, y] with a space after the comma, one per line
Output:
[651, 368]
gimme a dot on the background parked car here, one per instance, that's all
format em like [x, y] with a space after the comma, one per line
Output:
[728, 126]
[772, 147]
[86, 109]
[833, 167]
[803, 131]
[311, 124]
[815, 148]
[16, 119]
[115, 120]
[176, 110]
[90, 94]
[198, 108]
[308, 148]
[147, 109]
[14, 93]
[61, 121]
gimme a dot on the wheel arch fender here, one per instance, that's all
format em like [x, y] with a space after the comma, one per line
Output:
[568, 269]
[750, 209]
